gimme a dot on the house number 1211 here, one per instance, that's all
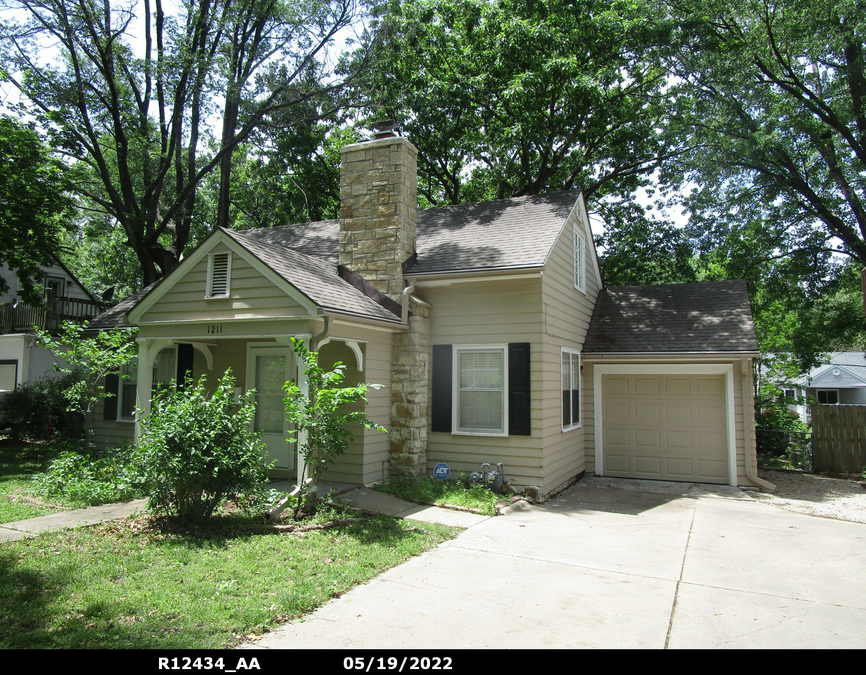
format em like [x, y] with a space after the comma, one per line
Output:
[214, 329]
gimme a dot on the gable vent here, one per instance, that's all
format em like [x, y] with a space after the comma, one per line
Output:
[218, 279]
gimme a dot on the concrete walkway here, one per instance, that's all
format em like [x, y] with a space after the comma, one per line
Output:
[21, 529]
[615, 564]
[366, 500]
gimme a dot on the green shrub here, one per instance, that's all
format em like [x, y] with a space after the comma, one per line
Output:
[80, 480]
[38, 410]
[197, 450]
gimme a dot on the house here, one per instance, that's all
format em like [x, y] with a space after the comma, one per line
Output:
[841, 380]
[65, 299]
[488, 326]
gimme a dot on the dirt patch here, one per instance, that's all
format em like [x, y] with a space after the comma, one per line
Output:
[815, 495]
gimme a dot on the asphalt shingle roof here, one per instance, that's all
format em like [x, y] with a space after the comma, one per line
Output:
[502, 234]
[706, 317]
[314, 277]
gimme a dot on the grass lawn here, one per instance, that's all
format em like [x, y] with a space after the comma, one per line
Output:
[448, 493]
[139, 583]
[16, 471]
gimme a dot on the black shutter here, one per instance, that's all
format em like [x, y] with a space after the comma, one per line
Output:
[184, 364]
[112, 386]
[519, 422]
[440, 402]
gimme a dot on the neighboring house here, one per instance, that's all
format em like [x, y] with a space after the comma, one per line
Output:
[841, 380]
[487, 325]
[64, 298]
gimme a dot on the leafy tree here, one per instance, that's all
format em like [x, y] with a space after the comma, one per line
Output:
[772, 96]
[320, 420]
[89, 358]
[521, 97]
[138, 123]
[34, 205]
[196, 450]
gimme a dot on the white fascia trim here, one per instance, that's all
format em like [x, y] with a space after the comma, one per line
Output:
[726, 369]
[643, 356]
[354, 321]
[455, 390]
[436, 279]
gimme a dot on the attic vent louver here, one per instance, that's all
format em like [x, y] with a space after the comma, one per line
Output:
[219, 275]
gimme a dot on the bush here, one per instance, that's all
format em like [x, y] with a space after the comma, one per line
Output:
[197, 450]
[81, 481]
[38, 410]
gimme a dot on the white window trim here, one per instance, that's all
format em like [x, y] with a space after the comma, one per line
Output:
[455, 390]
[573, 352]
[210, 271]
[579, 244]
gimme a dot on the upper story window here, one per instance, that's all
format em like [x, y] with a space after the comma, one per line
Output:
[219, 275]
[579, 261]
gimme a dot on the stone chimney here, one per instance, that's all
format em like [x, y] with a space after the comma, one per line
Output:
[378, 209]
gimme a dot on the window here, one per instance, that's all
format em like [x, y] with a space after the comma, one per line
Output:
[481, 391]
[579, 261]
[8, 375]
[827, 396]
[789, 394]
[570, 389]
[219, 275]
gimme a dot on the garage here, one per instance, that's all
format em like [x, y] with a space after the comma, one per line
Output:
[665, 427]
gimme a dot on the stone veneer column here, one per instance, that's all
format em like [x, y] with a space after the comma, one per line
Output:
[378, 210]
[410, 356]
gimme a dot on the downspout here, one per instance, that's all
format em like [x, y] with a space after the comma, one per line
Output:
[404, 303]
[314, 341]
[749, 429]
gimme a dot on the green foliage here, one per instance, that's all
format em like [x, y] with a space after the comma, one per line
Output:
[80, 480]
[34, 206]
[89, 358]
[426, 490]
[319, 418]
[148, 117]
[39, 409]
[521, 97]
[197, 450]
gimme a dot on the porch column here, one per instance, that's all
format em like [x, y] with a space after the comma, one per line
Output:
[147, 351]
[302, 469]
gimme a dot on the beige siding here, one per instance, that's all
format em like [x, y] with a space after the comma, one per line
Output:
[366, 460]
[251, 296]
[481, 313]
[109, 433]
[567, 313]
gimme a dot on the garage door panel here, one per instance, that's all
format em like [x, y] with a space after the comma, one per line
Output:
[677, 386]
[646, 411]
[681, 434]
[646, 386]
[647, 438]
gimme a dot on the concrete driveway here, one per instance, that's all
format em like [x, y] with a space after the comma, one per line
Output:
[615, 564]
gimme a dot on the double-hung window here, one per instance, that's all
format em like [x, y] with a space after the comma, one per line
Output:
[570, 389]
[480, 405]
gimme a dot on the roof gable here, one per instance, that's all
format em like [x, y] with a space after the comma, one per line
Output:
[835, 376]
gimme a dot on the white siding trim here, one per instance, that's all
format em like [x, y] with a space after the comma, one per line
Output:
[725, 369]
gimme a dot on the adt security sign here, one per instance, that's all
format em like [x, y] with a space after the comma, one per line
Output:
[441, 471]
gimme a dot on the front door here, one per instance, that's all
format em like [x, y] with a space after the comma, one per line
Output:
[267, 371]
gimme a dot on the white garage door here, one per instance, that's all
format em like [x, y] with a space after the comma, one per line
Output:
[665, 427]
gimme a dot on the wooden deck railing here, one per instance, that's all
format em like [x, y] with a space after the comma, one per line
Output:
[22, 318]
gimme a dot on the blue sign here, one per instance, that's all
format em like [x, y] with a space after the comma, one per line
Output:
[441, 471]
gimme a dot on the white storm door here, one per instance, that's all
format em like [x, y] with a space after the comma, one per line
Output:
[268, 370]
